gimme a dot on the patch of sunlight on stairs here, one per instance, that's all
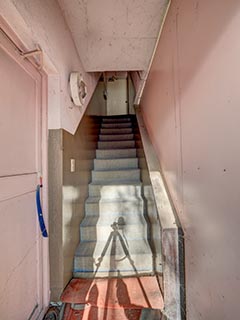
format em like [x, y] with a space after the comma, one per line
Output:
[114, 233]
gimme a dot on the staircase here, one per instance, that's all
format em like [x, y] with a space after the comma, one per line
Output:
[114, 232]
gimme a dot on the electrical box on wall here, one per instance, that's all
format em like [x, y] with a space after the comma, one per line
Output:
[72, 165]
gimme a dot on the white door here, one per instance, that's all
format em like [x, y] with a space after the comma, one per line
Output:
[21, 271]
[117, 97]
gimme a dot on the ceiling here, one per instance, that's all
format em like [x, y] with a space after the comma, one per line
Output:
[114, 35]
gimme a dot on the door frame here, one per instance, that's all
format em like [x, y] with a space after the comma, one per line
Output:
[10, 42]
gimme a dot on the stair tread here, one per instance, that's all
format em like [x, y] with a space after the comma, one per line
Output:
[116, 137]
[117, 170]
[113, 188]
[116, 144]
[90, 221]
[116, 163]
[137, 246]
[116, 141]
[96, 217]
[116, 159]
[117, 183]
[123, 119]
[114, 175]
[116, 153]
[125, 199]
[117, 133]
[118, 149]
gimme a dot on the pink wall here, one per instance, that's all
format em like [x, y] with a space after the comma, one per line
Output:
[21, 270]
[42, 22]
[191, 108]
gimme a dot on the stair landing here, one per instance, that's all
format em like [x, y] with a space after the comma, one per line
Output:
[112, 298]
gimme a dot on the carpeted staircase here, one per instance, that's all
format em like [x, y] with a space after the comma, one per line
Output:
[114, 233]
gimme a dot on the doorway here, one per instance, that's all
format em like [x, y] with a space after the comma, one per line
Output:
[113, 95]
[21, 164]
[117, 99]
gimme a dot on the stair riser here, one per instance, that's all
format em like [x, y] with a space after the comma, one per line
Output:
[115, 137]
[131, 207]
[121, 175]
[116, 154]
[106, 220]
[117, 125]
[114, 192]
[111, 164]
[113, 274]
[114, 120]
[116, 144]
[102, 233]
[111, 131]
[87, 264]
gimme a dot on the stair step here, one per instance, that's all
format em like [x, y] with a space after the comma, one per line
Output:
[117, 125]
[115, 137]
[115, 189]
[106, 220]
[116, 144]
[136, 247]
[116, 119]
[116, 153]
[109, 164]
[115, 131]
[114, 259]
[99, 228]
[114, 230]
[116, 175]
[96, 206]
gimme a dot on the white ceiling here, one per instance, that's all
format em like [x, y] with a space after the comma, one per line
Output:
[114, 35]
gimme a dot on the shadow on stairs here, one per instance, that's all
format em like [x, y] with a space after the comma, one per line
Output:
[131, 298]
[115, 264]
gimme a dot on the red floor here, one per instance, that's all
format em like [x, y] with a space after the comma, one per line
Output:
[111, 299]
